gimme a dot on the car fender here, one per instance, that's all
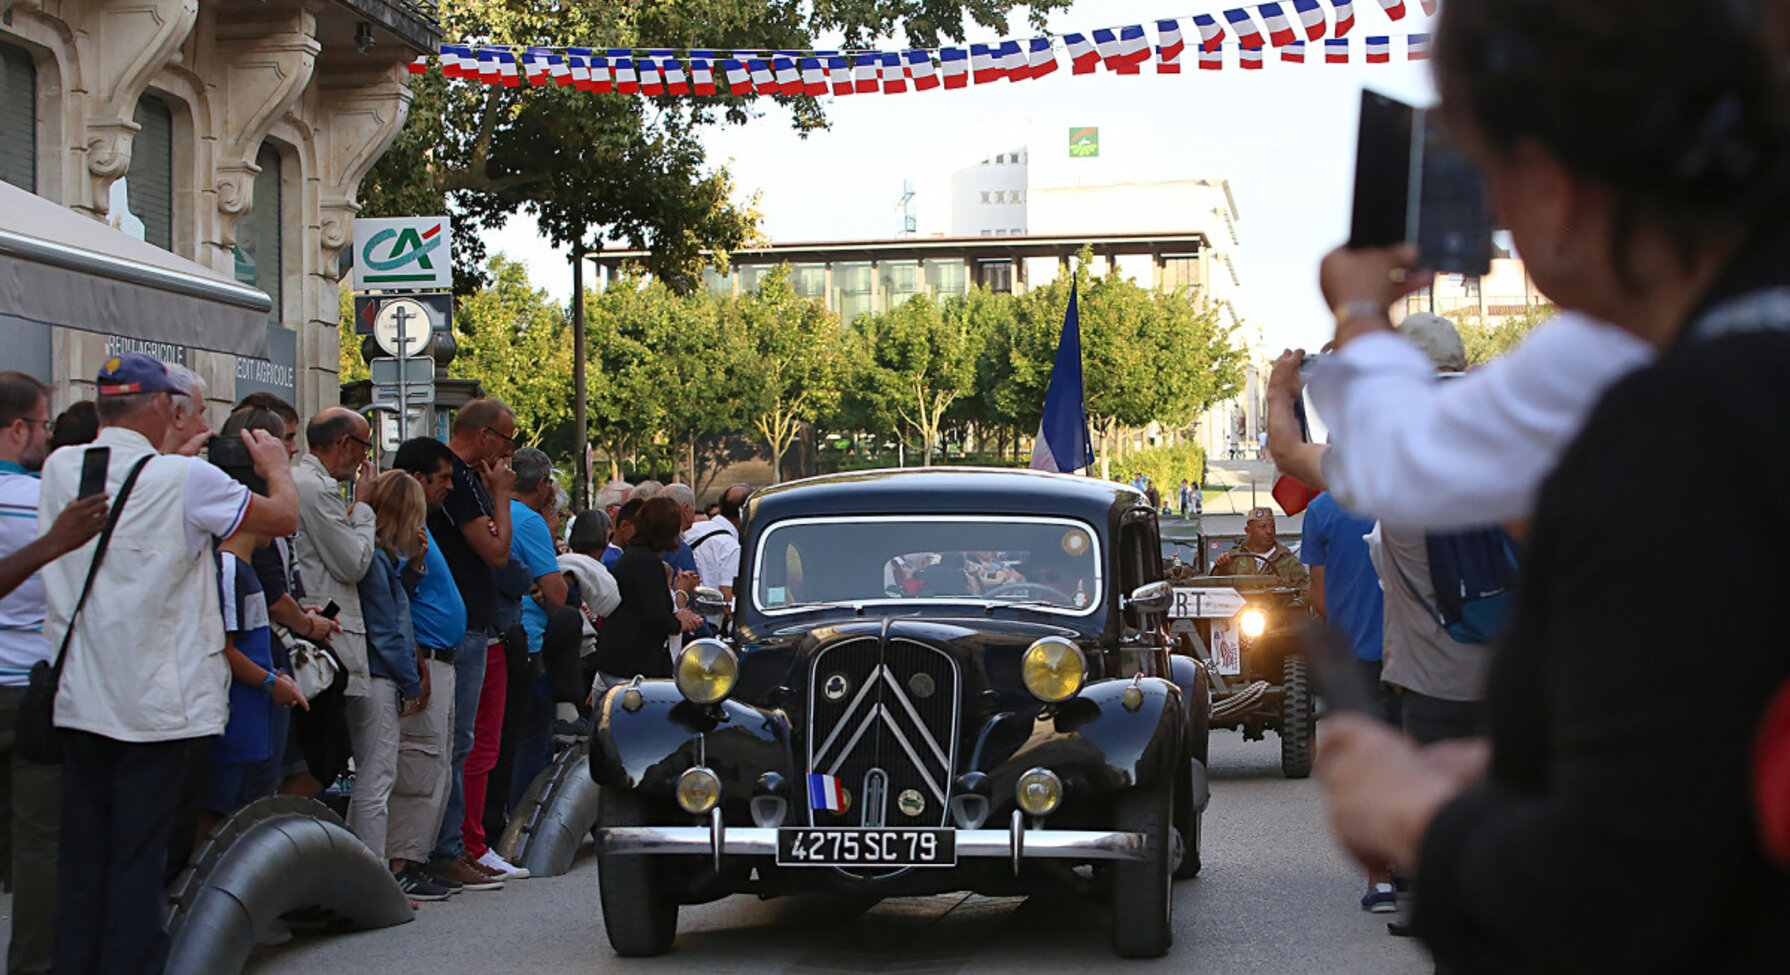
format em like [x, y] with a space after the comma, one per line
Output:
[1093, 740]
[1190, 676]
[647, 748]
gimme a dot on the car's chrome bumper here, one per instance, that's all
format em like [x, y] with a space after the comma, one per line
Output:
[1016, 842]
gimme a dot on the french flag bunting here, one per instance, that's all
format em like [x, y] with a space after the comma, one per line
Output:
[1250, 58]
[839, 74]
[450, 55]
[1043, 58]
[595, 74]
[1084, 57]
[559, 70]
[1212, 60]
[622, 65]
[1211, 31]
[814, 78]
[864, 64]
[1280, 30]
[789, 78]
[1010, 60]
[919, 67]
[418, 66]
[702, 72]
[1336, 50]
[825, 794]
[1345, 17]
[1244, 27]
[1394, 8]
[506, 66]
[1379, 50]
[1429, 8]
[739, 80]
[1134, 49]
[764, 80]
[1417, 47]
[1293, 53]
[647, 70]
[534, 66]
[894, 79]
[1169, 47]
[954, 64]
[1107, 44]
[677, 82]
[983, 67]
[488, 73]
[1311, 17]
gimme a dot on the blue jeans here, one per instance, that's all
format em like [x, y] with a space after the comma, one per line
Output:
[534, 744]
[469, 680]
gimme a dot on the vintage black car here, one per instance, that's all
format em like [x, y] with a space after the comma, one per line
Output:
[939, 680]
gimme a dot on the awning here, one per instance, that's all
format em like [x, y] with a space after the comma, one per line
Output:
[60, 267]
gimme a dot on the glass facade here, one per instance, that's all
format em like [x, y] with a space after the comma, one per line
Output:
[946, 278]
[854, 291]
[809, 280]
[900, 281]
[996, 276]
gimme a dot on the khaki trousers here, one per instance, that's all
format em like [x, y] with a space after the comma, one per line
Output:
[425, 764]
[373, 729]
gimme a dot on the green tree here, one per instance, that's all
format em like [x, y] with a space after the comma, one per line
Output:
[792, 359]
[920, 358]
[1487, 340]
[515, 340]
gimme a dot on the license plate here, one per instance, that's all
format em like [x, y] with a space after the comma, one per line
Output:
[831, 846]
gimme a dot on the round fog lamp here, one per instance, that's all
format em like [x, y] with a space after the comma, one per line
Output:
[706, 671]
[1254, 623]
[1039, 792]
[698, 790]
[1053, 669]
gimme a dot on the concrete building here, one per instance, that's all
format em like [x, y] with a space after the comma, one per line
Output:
[1506, 291]
[231, 133]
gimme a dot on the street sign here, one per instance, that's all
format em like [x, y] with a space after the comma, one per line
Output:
[417, 372]
[390, 436]
[402, 327]
[403, 254]
[414, 395]
[439, 306]
[1206, 604]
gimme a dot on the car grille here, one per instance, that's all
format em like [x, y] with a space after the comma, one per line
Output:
[883, 719]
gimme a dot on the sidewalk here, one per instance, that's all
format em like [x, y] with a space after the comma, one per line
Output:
[1225, 513]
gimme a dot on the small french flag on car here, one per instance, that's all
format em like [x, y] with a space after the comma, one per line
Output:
[825, 793]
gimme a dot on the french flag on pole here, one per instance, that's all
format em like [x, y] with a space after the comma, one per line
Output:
[1345, 17]
[1082, 54]
[1245, 28]
[1311, 16]
[825, 793]
[954, 64]
[1169, 47]
[1379, 50]
[1211, 31]
[1336, 50]
[1280, 30]
[1063, 445]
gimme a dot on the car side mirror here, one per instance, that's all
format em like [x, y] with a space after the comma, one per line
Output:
[1151, 597]
[708, 601]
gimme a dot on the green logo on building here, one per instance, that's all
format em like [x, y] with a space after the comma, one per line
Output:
[1084, 142]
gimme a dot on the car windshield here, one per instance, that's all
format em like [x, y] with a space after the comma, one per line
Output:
[1049, 563]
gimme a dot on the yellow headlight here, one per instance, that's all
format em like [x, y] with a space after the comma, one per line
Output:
[1039, 792]
[706, 671]
[1254, 623]
[1053, 669]
[698, 790]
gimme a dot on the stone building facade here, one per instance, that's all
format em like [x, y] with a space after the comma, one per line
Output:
[233, 133]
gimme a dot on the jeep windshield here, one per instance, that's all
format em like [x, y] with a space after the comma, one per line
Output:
[1050, 564]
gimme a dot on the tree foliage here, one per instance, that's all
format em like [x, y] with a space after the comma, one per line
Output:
[1487, 340]
[791, 351]
[916, 361]
[516, 340]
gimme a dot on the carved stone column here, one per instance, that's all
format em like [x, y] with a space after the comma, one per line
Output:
[364, 111]
[123, 45]
[265, 62]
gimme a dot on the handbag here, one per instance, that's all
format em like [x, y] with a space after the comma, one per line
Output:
[35, 734]
[314, 666]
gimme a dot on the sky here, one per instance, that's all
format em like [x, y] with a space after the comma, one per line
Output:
[1284, 137]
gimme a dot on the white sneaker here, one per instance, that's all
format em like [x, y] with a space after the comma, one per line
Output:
[491, 861]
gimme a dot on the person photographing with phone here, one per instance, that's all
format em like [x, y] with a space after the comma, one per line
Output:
[1638, 151]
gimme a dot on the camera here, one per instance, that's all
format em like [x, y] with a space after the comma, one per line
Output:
[231, 455]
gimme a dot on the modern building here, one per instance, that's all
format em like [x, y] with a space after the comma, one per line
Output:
[1505, 292]
[230, 136]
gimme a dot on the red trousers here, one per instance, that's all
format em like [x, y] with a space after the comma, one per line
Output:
[487, 735]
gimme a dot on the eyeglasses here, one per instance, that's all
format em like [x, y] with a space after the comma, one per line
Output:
[48, 425]
[507, 441]
[364, 444]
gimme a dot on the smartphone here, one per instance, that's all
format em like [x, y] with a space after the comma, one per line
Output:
[94, 462]
[1413, 184]
[330, 609]
[1334, 672]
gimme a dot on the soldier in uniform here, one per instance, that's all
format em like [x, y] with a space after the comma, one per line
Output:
[1260, 553]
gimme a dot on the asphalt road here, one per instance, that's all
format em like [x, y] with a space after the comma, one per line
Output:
[1275, 897]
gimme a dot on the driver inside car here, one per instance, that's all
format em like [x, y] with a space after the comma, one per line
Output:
[1260, 554]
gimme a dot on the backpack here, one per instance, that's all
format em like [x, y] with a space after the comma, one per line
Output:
[1474, 575]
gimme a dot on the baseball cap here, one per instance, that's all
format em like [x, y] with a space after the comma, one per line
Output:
[1437, 338]
[1257, 514]
[134, 372]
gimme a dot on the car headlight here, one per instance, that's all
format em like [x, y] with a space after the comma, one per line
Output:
[698, 790]
[1053, 669]
[1254, 623]
[1039, 792]
[706, 671]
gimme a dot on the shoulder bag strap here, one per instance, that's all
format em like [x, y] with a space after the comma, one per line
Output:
[698, 543]
[99, 555]
[1422, 603]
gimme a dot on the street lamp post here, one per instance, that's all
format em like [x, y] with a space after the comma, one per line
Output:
[582, 463]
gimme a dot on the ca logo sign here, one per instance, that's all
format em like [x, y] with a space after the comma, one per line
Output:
[401, 255]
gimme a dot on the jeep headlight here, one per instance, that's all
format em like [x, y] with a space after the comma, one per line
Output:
[1053, 669]
[1254, 623]
[706, 671]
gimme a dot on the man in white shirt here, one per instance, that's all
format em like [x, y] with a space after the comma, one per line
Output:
[716, 543]
[144, 682]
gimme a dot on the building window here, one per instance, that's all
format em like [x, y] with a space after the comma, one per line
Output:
[1470, 285]
[945, 278]
[987, 233]
[260, 231]
[1000, 160]
[1180, 273]
[853, 290]
[985, 195]
[810, 280]
[751, 276]
[18, 118]
[717, 284]
[996, 276]
[1015, 232]
[142, 200]
[1017, 197]
[900, 282]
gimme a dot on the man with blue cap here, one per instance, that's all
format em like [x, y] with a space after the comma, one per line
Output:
[144, 680]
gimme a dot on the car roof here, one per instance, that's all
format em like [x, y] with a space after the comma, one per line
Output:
[946, 490]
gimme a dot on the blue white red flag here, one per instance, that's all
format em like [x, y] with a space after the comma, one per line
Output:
[534, 65]
[814, 78]
[1106, 44]
[1379, 50]
[1134, 49]
[1169, 47]
[983, 66]
[1280, 30]
[622, 66]
[1345, 17]
[894, 79]
[1010, 60]
[590, 71]
[559, 70]
[739, 80]
[1293, 53]
[488, 72]
[954, 64]
[864, 68]
[919, 68]
[764, 80]
[1311, 17]
[1336, 50]
[647, 70]
[1244, 27]
[418, 65]
[451, 64]
[1063, 444]
[825, 794]
[839, 73]
[1250, 59]
[1417, 47]
[702, 72]
[1211, 31]
[1083, 56]
[676, 81]
[1394, 8]
[1043, 59]
[1212, 60]
[789, 77]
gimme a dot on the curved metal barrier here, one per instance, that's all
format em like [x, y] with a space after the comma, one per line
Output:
[275, 856]
[556, 815]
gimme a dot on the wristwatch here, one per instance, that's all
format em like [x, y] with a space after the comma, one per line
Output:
[268, 681]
